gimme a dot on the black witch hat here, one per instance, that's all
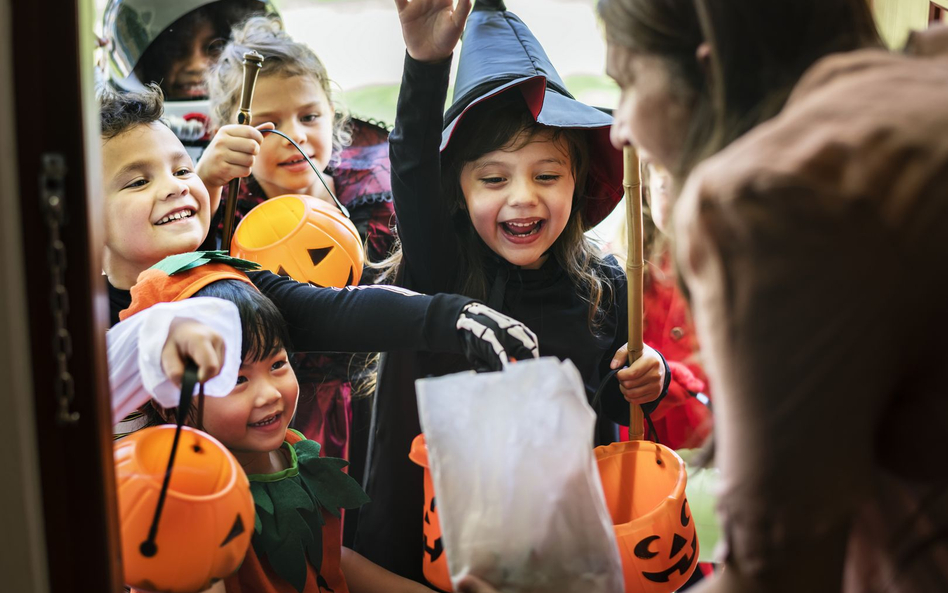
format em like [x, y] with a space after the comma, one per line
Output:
[499, 54]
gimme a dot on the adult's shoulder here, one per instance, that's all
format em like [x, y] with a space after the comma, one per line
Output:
[862, 130]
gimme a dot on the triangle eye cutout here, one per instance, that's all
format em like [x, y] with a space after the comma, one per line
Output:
[677, 544]
[318, 255]
[235, 530]
[282, 272]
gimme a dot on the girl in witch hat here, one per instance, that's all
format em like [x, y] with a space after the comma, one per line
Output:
[493, 202]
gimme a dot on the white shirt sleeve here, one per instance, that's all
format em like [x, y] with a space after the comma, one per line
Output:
[134, 350]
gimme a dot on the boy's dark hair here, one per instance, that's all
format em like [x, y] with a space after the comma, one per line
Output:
[263, 329]
[119, 112]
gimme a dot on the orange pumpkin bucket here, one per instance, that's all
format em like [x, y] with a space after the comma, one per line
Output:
[301, 237]
[435, 563]
[644, 484]
[208, 513]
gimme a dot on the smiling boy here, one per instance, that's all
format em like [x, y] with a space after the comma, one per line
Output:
[155, 203]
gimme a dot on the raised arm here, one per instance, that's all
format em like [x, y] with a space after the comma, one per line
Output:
[429, 246]
[386, 318]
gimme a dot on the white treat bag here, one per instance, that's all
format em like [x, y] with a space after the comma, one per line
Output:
[519, 496]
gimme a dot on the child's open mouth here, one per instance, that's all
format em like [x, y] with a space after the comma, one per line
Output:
[266, 422]
[295, 165]
[175, 216]
[520, 229]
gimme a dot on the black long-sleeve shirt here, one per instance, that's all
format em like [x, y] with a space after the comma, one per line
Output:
[353, 319]
[546, 300]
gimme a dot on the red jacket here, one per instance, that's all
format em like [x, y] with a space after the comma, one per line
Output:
[681, 422]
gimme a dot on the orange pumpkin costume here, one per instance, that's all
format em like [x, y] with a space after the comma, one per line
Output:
[257, 574]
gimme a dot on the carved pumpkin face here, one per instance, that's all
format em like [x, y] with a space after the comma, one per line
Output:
[208, 514]
[644, 484]
[301, 237]
[435, 562]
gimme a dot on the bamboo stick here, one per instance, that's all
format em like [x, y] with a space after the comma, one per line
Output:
[634, 269]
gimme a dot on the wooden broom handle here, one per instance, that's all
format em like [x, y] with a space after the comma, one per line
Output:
[634, 269]
[253, 61]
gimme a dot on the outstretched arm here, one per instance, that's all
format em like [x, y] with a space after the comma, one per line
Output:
[385, 318]
[429, 246]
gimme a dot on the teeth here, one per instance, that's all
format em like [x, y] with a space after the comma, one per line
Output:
[176, 216]
[266, 421]
[523, 229]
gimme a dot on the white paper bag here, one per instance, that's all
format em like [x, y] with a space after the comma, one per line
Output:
[519, 496]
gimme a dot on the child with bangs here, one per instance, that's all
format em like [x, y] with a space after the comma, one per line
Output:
[493, 202]
[293, 95]
[251, 417]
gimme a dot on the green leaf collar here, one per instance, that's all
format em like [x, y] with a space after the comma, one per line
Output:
[175, 264]
[290, 505]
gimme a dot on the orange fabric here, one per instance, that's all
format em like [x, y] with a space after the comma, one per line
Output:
[155, 286]
[256, 576]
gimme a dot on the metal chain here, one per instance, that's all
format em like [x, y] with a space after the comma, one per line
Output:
[52, 186]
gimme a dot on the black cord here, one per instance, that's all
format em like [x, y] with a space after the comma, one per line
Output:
[339, 205]
[149, 548]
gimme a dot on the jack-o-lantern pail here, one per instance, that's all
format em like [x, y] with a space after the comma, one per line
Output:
[208, 513]
[301, 237]
[435, 563]
[644, 485]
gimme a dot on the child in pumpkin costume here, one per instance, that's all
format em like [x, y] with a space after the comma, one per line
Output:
[298, 495]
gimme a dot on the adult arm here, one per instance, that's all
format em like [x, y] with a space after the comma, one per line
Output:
[425, 229]
[794, 327]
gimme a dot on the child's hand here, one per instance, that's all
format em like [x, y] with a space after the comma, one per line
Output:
[230, 155]
[189, 339]
[642, 382]
[432, 28]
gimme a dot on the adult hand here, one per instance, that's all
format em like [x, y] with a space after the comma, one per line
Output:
[491, 340]
[432, 28]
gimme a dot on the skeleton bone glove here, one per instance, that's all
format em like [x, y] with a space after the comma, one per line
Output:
[491, 340]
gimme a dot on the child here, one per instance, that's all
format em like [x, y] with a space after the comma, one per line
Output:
[496, 206]
[171, 44]
[293, 92]
[252, 422]
[156, 206]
